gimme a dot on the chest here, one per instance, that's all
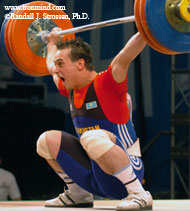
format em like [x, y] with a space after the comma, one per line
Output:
[86, 104]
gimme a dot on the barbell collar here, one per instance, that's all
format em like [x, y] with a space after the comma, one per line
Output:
[184, 10]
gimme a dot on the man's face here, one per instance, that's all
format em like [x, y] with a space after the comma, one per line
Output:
[66, 69]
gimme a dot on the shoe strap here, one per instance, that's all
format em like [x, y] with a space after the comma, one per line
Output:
[66, 194]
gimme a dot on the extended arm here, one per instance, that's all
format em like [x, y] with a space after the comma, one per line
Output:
[53, 38]
[121, 62]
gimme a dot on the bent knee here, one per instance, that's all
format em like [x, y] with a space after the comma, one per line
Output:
[96, 142]
[48, 144]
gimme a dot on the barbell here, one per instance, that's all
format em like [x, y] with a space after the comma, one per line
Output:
[164, 25]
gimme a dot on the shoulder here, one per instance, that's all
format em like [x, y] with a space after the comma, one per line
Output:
[105, 75]
[6, 174]
[106, 79]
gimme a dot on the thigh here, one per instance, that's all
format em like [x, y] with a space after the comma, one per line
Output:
[108, 185]
[72, 147]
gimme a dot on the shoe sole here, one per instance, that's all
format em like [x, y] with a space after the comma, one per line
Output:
[140, 209]
[82, 205]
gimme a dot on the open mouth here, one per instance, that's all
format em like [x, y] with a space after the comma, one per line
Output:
[62, 79]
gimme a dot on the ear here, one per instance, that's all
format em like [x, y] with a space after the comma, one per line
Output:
[81, 64]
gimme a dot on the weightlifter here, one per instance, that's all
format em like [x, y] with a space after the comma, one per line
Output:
[105, 157]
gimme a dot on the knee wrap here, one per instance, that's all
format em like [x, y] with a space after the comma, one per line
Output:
[96, 143]
[42, 147]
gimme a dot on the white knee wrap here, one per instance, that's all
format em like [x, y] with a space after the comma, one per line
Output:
[42, 147]
[96, 143]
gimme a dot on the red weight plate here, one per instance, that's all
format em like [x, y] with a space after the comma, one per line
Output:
[139, 25]
[11, 53]
[28, 61]
[155, 43]
[6, 41]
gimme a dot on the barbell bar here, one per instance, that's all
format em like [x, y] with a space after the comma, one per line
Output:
[25, 41]
[92, 26]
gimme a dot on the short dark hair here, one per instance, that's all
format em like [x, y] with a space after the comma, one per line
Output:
[79, 50]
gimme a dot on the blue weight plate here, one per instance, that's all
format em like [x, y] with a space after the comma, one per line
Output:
[162, 30]
[3, 47]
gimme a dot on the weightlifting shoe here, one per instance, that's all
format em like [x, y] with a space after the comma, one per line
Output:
[67, 199]
[136, 202]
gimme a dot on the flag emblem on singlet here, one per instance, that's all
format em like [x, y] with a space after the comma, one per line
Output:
[91, 105]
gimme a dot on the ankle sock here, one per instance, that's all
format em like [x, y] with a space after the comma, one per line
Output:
[128, 177]
[72, 187]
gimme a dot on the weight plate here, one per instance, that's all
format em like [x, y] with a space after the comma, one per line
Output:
[29, 61]
[162, 30]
